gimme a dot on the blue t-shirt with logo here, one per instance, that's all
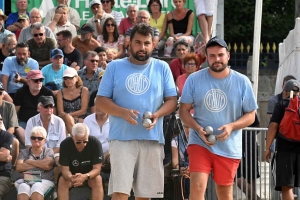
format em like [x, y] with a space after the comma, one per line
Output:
[11, 67]
[55, 77]
[218, 102]
[137, 87]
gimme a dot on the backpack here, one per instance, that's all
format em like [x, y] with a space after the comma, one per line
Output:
[289, 127]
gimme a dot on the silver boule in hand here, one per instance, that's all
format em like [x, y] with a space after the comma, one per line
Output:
[211, 138]
[209, 130]
[147, 123]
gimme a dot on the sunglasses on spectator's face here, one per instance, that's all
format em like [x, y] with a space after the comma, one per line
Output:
[92, 61]
[37, 80]
[84, 142]
[103, 2]
[48, 106]
[68, 78]
[36, 138]
[38, 34]
[108, 25]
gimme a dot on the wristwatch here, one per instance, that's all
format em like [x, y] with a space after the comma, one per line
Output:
[88, 176]
[96, 21]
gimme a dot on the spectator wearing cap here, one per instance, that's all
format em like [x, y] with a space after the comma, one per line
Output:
[24, 21]
[101, 51]
[15, 69]
[40, 45]
[26, 100]
[73, 15]
[3, 31]
[288, 152]
[89, 73]
[85, 41]
[12, 23]
[130, 21]
[54, 71]
[54, 125]
[94, 94]
[99, 17]
[107, 6]
[9, 43]
[72, 56]
[72, 99]
[35, 17]
[60, 21]
[9, 120]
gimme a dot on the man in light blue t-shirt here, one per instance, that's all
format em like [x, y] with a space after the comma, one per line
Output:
[223, 99]
[130, 87]
[15, 69]
[54, 71]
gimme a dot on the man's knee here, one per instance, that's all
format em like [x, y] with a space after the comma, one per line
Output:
[95, 182]
[63, 183]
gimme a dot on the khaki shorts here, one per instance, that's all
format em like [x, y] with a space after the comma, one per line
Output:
[137, 164]
[205, 7]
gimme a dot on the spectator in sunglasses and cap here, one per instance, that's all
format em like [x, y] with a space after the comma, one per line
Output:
[82, 166]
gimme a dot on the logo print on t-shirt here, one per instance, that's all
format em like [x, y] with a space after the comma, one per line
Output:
[137, 84]
[75, 163]
[215, 100]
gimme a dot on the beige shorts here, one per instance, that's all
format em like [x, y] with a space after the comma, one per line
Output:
[205, 7]
[136, 164]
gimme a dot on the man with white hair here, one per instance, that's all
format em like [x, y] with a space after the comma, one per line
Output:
[83, 165]
[35, 17]
[12, 23]
[126, 23]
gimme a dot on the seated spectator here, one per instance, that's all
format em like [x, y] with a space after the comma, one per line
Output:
[89, 74]
[102, 57]
[12, 23]
[60, 21]
[82, 166]
[108, 8]
[99, 17]
[26, 100]
[15, 69]
[73, 15]
[24, 21]
[40, 46]
[37, 158]
[55, 127]
[130, 21]
[191, 64]
[94, 94]
[3, 31]
[85, 42]
[6, 141]
[72, 56]
[53, 72]
[176, 65]
[110, 39]
[182, 163]
[35, 16]
[9, 43]
[180, 23]
[72, 99]
[9, 120]
[110, 55]
[159, 21]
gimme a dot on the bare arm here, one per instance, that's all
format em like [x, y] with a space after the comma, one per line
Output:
[17, 108]
[21, 166]
[187, 119]
[164, 28]
[99, 28]
[190, 25]
[14, 27]
[271, 133]
[5, 81]
[171, 28]
[65, 170]
[175, 163]
[45, 164]
[5, 155]
[7, 98]
[84, 104]
[120, 51]
[53, 23]
[60, 104]
[126, 42]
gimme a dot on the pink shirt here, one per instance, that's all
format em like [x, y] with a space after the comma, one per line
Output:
[125, 24]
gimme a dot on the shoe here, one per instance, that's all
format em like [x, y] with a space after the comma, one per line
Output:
[55, 195]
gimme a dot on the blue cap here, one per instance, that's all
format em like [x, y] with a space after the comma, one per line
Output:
[56, 52]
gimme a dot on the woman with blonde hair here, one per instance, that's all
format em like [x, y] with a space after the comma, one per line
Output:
[72, 100]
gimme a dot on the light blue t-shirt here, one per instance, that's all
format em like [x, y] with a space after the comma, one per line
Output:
[52, 76]
[11, 67]
[138, 88]
[218, 102]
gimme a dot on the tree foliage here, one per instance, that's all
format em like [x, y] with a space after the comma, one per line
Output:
[277, 20]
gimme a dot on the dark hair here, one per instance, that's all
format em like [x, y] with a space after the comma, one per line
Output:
[191, 56]
[143, 29]
[181, 42]
[287, 78]
[78, 83]
[112, 3]
[115, 33]
[88, 53]
[66, 34]
[22, 45]
[151, 2]
[99, 49]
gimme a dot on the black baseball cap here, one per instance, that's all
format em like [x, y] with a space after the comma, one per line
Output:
[86, 28]
[216, 40]
[46, 100]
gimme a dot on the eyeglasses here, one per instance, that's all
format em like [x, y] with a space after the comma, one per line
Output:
[103, 2]
[155, 5]
[94, 61]
[108, 25]
[37, 80]
[190, 64]
[132, 11]
[68, 78]
[38, 34]
[84, 142]
[142, 17]
[35, 17]
[48, 106]
[38, 138]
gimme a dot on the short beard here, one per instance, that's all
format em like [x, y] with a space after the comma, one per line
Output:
[22, 62]
[139, 58]
[212, 68]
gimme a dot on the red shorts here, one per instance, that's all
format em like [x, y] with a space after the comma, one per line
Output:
[202, 160]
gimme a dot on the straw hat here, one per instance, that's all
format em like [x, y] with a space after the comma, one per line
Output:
[3, 15]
